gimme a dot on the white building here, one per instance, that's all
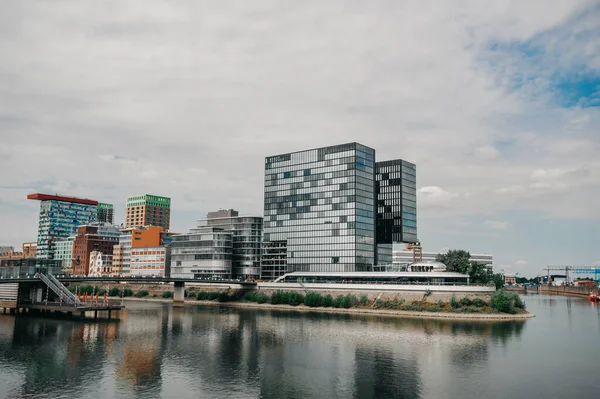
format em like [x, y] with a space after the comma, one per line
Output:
[148, 261]
[404, 257]
[100, 264]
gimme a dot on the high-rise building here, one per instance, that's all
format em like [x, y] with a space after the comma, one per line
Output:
[148, 210]
[246, 240]
[321, 210]
[97, 237]
[396, 213]
[59, 218]
[105, 213]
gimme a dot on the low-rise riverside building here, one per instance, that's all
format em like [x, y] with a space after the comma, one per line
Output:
[246, 237]
[149, 261]
[404, 257]
[204, 252]
[100, 264]
[64, 253]
[100, 237]
[139, 237]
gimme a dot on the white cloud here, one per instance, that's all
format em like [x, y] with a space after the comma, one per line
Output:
[185, 100]
[435, 197]
[498, 225]
[486, 153]
[521, 262]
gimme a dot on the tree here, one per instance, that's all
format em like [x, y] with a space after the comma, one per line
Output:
[455, 260]
[498, 280]
[458, 261]
[479, 273]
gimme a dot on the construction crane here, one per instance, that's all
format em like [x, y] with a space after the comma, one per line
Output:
[595, 270]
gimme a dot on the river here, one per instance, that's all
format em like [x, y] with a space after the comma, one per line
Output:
[155, 350]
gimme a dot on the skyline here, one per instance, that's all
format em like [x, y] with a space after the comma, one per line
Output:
[496, 105]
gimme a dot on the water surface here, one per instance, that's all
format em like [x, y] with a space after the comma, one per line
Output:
[155, 350]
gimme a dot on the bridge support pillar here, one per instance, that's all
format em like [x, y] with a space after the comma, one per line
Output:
[39, 294]
[178, 293]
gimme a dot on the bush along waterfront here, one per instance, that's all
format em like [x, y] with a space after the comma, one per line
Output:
[501, 302]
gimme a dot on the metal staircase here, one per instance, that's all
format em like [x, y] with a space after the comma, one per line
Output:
[59, 289]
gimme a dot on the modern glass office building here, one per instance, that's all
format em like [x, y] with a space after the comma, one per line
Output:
[59, 218]
[320, 210]
[396, 213]
[319, 205]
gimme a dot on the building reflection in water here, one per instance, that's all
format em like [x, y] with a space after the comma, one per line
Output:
[211, 351]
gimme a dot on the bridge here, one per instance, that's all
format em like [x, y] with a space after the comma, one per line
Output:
[45, 292]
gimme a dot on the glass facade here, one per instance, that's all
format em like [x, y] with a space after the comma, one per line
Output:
[246, 240]
[319, 206]
[105, 213]
[59, 220]
[64, 253]
[205, 252]
[396, 191]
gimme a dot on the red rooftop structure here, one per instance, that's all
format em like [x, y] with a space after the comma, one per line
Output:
[50, 197]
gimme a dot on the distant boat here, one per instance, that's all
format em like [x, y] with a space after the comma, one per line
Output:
[594, 297]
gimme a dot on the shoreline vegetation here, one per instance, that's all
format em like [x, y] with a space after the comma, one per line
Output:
[502, 306]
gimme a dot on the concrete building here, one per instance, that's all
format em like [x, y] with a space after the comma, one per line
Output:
[27, 251]
[404, 257]
[94, 237]
[204, 252]
[148, 210]
[246, 240]
[100, 264]
[105, 213]
[6, 249]
[64, 253]
[323, 207]
[149, 261]
[59, 218]
[130, 238]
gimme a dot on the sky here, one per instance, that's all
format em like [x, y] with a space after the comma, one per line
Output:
[497, 103]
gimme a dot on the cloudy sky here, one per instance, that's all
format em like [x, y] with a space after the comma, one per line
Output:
[498, 104]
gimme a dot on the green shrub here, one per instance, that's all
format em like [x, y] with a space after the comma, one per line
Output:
[127, 292]
[223, 297]
[364, 300]
[202, 296]
[262, 298]
[327, 301]
[101, 292]
[313, 299]
[167, 294]
[518, 301]
[337, 302]
[213, 295]
[480, 303]
[503, 302]
[465, 301]
[114, 291]
[287, 298]
[454, 302]
[141, 293]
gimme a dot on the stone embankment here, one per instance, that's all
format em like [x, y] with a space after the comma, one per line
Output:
[356, 311]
